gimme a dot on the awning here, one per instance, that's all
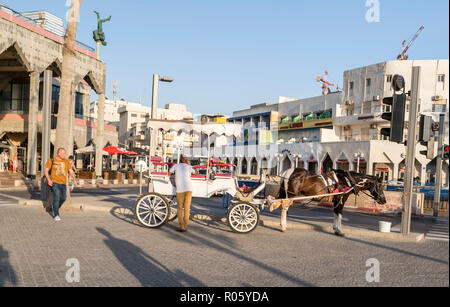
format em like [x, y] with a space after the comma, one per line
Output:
[112, 150]
[189, 126]
[89, 150]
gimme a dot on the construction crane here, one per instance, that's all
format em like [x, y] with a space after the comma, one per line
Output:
[326, 84]
[403, 56]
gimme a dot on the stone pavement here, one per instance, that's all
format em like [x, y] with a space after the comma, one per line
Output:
[113, 251]
[357, 224]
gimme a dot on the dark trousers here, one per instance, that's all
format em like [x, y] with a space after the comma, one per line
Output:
[59, 197]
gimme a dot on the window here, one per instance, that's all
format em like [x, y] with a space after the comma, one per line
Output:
[389, 79]
[351, 86]
[441, 81]
[78, 105]
[134, 115]
[439, 108]
[368, 82]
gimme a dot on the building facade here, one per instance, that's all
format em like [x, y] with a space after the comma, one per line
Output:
[133, 132]
[340, 130]
[26, 51]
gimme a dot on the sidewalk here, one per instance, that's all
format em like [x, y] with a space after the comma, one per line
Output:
[211, 212]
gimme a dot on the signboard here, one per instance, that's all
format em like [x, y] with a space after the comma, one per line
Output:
[307, 124]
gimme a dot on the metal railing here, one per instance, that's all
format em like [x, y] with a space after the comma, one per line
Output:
[428, 203]
[27, 19]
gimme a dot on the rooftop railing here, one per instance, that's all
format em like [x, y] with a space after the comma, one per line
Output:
[27, 19]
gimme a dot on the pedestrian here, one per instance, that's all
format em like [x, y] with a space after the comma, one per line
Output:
[15, 163]
[6, 161]
[58, 167]
[72, 179]
[183, 182]
[2, 166]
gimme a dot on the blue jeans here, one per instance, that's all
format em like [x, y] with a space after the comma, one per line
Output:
[59, 197]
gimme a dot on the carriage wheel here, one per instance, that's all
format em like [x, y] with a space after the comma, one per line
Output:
[243, 218]
[152, 210]
[173, 209]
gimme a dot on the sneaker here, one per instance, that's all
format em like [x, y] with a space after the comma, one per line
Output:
[57, 218]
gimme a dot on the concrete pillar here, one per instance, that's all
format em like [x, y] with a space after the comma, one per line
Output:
[71, 123]
[33, 125]
[395, 172]
[99, 139]
[46, 117]
[370, 168]
[423, 174]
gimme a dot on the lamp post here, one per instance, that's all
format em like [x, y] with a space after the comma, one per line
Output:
[154, 115]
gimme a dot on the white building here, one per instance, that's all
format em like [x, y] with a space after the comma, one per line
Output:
[133, 122]
[302, 132]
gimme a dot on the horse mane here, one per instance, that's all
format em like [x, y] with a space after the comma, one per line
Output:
[358, 175]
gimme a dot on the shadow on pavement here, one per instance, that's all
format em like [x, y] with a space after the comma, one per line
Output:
[397, 250]
[146, 269]
[212, 240]
[7, 274]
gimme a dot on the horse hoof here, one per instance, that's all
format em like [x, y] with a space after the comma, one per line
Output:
[284, 230]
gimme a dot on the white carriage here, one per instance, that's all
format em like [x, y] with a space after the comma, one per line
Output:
[158, 207]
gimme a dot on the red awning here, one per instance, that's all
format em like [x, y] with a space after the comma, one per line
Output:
[113, 150]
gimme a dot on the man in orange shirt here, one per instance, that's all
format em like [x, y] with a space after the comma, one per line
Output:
[57, 179]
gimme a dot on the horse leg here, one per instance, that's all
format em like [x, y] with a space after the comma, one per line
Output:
[284, 219]
[338, 211]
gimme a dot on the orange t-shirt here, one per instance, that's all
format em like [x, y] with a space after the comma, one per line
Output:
[59, 169]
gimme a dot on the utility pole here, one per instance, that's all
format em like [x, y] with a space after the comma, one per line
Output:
[411, 151]
[437, 189]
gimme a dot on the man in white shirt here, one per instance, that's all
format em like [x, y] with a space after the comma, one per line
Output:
[183, 182]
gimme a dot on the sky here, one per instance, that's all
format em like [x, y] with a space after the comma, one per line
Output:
[226, 55]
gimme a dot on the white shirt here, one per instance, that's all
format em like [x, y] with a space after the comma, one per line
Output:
[183, 179]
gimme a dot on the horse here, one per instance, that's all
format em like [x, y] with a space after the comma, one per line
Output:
[359, 183]
[303, 183]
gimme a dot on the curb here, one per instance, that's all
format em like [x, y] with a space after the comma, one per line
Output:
[39, 203]
[365, 233]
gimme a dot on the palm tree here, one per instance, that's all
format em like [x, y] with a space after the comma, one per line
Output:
[66, 103]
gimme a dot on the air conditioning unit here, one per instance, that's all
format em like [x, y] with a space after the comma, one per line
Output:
[437, 98]
[376, 98]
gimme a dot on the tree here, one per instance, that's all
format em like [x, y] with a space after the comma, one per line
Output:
[66, 103]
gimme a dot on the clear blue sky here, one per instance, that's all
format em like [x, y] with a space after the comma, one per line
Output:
[226, 55]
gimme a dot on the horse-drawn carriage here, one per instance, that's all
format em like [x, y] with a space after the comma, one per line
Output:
[159, 206]
[156, 208]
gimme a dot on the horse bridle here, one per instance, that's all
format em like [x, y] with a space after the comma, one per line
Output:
[374, 192]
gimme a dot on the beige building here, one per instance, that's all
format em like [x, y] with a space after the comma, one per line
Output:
[26, 51]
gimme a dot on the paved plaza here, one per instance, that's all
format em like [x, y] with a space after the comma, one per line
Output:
[112, 250]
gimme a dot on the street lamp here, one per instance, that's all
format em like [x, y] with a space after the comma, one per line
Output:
[154, 115]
